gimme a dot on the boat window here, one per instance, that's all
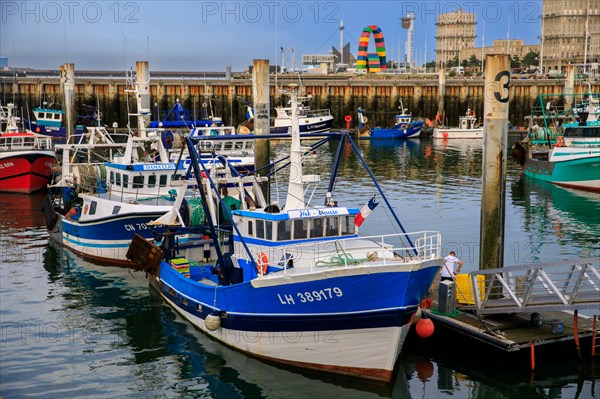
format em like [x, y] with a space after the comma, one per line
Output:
[42, 115]
[151, 181]
[250, 230]
[125, 180]
[93, 205]
[239, 145]
[163, 180]
[57, 116]
[112, 177]
[332, 226]
[228, 146]
[268, 230]
[284, 230]
[348, 225]
[260, 228]
[29, 141]
[178, 176]
[317, 228]
[118, 179]
[300, 228]
[138, 181]
[116, 210]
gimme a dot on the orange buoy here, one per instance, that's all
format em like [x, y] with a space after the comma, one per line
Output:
[424, 369]
[445, 134]
[424, 327]
[262, 263]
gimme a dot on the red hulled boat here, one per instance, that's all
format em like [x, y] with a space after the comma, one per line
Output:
[26, 159]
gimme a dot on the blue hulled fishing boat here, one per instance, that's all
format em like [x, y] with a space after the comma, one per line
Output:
[298, 284]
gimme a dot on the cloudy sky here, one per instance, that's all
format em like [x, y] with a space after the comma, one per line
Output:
[209, 35]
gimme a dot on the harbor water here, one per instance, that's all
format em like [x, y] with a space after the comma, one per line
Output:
[71, 329]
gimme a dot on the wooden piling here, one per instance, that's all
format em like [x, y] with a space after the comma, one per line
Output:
[142, 82]
[495, 149]
[68, 88]
[262, 116]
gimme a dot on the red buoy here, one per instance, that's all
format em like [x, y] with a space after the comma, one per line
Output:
[424, 327]
[348, 119]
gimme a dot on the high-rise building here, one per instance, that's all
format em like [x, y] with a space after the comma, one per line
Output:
[455, 31]
[565, 25]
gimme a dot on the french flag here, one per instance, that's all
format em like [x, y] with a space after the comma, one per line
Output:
[365, 211]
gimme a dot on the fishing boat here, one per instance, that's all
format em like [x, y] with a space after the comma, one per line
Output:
[180, 118]
[468, 128]
[568, 154]
[311, 121]
[99, 207]
[49, 122]
[26, 159]
[404, 127]
[298, 284]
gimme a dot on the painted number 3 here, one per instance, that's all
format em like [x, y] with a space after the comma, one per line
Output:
[502, 96]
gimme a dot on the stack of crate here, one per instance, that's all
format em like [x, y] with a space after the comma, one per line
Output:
[182, 265]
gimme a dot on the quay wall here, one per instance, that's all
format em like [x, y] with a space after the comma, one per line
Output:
[378, 97]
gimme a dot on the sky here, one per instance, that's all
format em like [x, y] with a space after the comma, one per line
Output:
[210, 35]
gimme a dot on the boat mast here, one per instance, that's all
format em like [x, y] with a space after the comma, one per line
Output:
[295, 195]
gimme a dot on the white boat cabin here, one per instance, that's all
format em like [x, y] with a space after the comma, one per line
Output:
[467, 122]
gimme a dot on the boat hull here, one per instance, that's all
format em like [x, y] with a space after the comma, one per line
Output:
[355, 321]
[51, 131]
[412, 131]
[25, 171]
[583, 173]
[105, 241]
[320, 126]
[454, 133]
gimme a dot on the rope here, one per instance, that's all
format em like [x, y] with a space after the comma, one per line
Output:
[455, 313]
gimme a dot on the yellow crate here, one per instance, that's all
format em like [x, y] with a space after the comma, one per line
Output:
[464, 289]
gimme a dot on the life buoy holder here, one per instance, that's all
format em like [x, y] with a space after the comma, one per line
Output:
[85, 209]
[262, 263]
[403, 126]
[560, 141]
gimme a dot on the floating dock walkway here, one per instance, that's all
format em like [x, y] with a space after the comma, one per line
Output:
[520, 307]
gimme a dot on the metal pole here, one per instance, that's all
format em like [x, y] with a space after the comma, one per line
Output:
[262, 119]
[495, 149]
[68, 85]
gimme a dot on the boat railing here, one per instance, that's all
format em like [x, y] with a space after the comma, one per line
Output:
[377, 250]
[317, 113]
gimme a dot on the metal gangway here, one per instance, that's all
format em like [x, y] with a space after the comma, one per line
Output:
[562, 286]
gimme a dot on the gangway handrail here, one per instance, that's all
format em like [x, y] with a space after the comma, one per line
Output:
[567, 285]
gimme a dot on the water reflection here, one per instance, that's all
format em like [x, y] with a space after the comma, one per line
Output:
[558, 217]
[73, 329]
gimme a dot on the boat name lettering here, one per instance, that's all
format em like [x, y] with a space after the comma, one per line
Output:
[7, 165]
[306, 213]
[316, 126]
[136, 226]
[157, 167]
[311, 296]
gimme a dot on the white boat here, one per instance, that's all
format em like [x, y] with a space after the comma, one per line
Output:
[468, 128]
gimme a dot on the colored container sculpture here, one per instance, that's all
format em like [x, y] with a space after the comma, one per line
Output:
[376, 61]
